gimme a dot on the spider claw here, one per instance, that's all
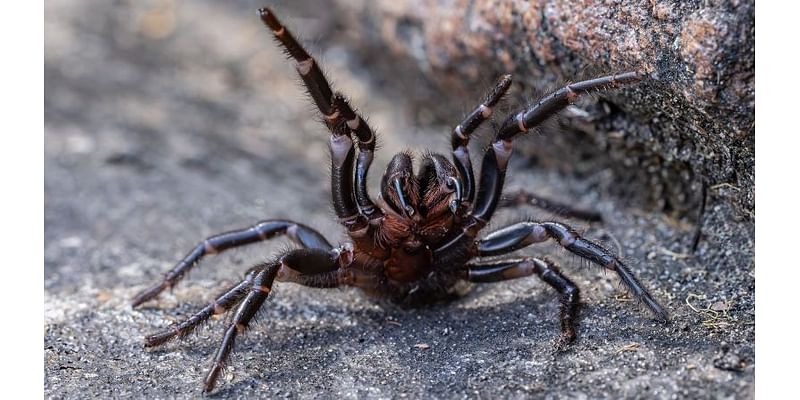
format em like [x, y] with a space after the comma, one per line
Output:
[398, 187]
[211, 380]
[563, 342]
[661, 315]
[157, 339]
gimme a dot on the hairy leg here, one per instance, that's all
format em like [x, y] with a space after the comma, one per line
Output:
[314, 267]
[523, 234]
[460, 136]
[352, 205]
[318, 87]
[258, 291]
[519, 123]
[495, 160]
[366, 149]
[264, 230]
[223, 303]
[311, 267]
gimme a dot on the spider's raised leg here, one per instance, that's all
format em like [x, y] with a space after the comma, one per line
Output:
[264, 230]
[495, 160]
[546, 270]
[366, 149]
[318, 87]
[526, 198]
[460, 136]
[354, 208]
[496, 156]
[523, 234]
[551, 104]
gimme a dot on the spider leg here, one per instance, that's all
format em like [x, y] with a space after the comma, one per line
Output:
[459, 139]
[352, 204]
[460, 136]
[313, 267]
[353, 207]
[366, 149]
[259, 289]
[546, 270]
[495, 160]
[342, 195]
[312, 76]
[523, 234]
[549, 105]
[526, 198]
[264, 230]
[221, 304]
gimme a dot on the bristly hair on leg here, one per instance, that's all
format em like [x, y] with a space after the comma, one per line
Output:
[222, 303]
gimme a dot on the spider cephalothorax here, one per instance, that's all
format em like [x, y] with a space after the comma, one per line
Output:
[420, 236]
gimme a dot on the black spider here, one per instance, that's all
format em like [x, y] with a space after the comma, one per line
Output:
[418, 241]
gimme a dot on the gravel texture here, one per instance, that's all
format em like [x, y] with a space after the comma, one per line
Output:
[168, 122]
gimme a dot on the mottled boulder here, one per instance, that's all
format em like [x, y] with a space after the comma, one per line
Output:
[692, 124]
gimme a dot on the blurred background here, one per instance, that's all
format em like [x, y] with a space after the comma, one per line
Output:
[167, 122]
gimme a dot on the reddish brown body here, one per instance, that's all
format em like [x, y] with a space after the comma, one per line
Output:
[394, 254]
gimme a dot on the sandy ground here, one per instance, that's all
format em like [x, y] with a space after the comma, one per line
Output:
[166, 125]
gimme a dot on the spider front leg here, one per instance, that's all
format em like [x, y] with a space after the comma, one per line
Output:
[352, 205]
[523, 234]
[312, 76]
[495, 159]
[366, 148]
[497, 154]
[460, 136]
[546, 270]
[264, 230]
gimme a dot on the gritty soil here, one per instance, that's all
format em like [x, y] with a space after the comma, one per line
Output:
[166, 123]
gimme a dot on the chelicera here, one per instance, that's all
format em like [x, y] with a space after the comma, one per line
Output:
[420, 236]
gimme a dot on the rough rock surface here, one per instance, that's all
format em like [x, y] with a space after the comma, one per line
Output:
[693, 124]
[167, 122]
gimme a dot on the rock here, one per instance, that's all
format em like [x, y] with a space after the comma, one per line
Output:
[692, 125]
